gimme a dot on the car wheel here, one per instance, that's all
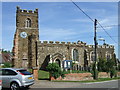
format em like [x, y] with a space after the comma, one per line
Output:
[14, 86]
[27, 86]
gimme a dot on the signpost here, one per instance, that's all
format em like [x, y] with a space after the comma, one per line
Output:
[67, 64]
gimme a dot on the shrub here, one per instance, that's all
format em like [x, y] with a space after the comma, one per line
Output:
[7, 65]
[113, 72]
[55, 70]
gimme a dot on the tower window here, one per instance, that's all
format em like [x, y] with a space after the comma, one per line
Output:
[28, 23]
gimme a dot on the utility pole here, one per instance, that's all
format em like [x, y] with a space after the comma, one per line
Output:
[95, 51]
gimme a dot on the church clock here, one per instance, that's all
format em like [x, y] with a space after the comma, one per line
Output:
[23, 34]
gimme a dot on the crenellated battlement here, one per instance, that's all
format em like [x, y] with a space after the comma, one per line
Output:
[26, 11]
[80, 43]
[61, 43]
[101, 46]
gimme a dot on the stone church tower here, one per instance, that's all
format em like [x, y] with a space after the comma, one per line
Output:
[25, 38]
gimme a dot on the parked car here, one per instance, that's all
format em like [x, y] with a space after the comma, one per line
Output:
[0, 84]
[16, 78]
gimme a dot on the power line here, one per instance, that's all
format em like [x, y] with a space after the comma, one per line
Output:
[106, 32]
[93, 20]
[109, 26]
[82, 11]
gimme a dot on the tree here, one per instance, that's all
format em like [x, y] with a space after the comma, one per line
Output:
[102, 65]
[5, 51]
[107, 66]
[110, 67]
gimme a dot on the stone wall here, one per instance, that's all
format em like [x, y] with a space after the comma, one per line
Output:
[59, 50]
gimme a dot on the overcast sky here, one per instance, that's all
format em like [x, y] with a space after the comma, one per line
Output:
[63, 21]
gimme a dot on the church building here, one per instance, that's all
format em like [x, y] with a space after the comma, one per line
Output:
[29, 51]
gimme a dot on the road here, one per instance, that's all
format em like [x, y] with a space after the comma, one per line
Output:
[44, 85]
[49, 84]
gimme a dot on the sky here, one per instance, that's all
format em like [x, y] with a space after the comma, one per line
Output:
[63, 21]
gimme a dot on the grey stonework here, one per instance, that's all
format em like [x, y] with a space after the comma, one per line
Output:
[29, 52]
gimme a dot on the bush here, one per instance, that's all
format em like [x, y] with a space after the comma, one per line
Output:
[113, 72]
[55, 71]
[7, 65]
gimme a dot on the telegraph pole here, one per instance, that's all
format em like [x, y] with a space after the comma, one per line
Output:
[95, 51]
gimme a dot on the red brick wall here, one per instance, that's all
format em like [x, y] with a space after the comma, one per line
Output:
[75, 77]
[103, 75]
[118, 74]
[82, 76]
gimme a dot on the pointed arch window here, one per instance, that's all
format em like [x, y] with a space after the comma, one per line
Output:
[92, 56]
[75, 55]
[108, 56]
[28, 23]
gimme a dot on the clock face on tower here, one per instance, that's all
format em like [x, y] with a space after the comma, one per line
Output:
[23, 34]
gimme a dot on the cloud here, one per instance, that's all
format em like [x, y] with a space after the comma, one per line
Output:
[61, 34]
[113, 20]
[56, 34]
[94, 10]
[108, 22]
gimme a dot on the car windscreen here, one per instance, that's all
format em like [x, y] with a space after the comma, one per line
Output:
[24, 72]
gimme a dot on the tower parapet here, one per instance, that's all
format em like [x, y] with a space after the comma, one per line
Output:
[26, 11]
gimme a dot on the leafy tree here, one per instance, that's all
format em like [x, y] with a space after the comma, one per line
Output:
[102, 65]
[107, 66]
[110, 67]
[5, 51]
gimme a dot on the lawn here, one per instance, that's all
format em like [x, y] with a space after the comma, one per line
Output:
[43, 75]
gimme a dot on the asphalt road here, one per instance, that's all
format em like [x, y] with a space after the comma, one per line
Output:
[49, 84]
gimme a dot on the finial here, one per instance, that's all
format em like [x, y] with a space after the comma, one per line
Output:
[18, 7]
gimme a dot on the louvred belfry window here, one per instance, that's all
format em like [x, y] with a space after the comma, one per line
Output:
[28, 23]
